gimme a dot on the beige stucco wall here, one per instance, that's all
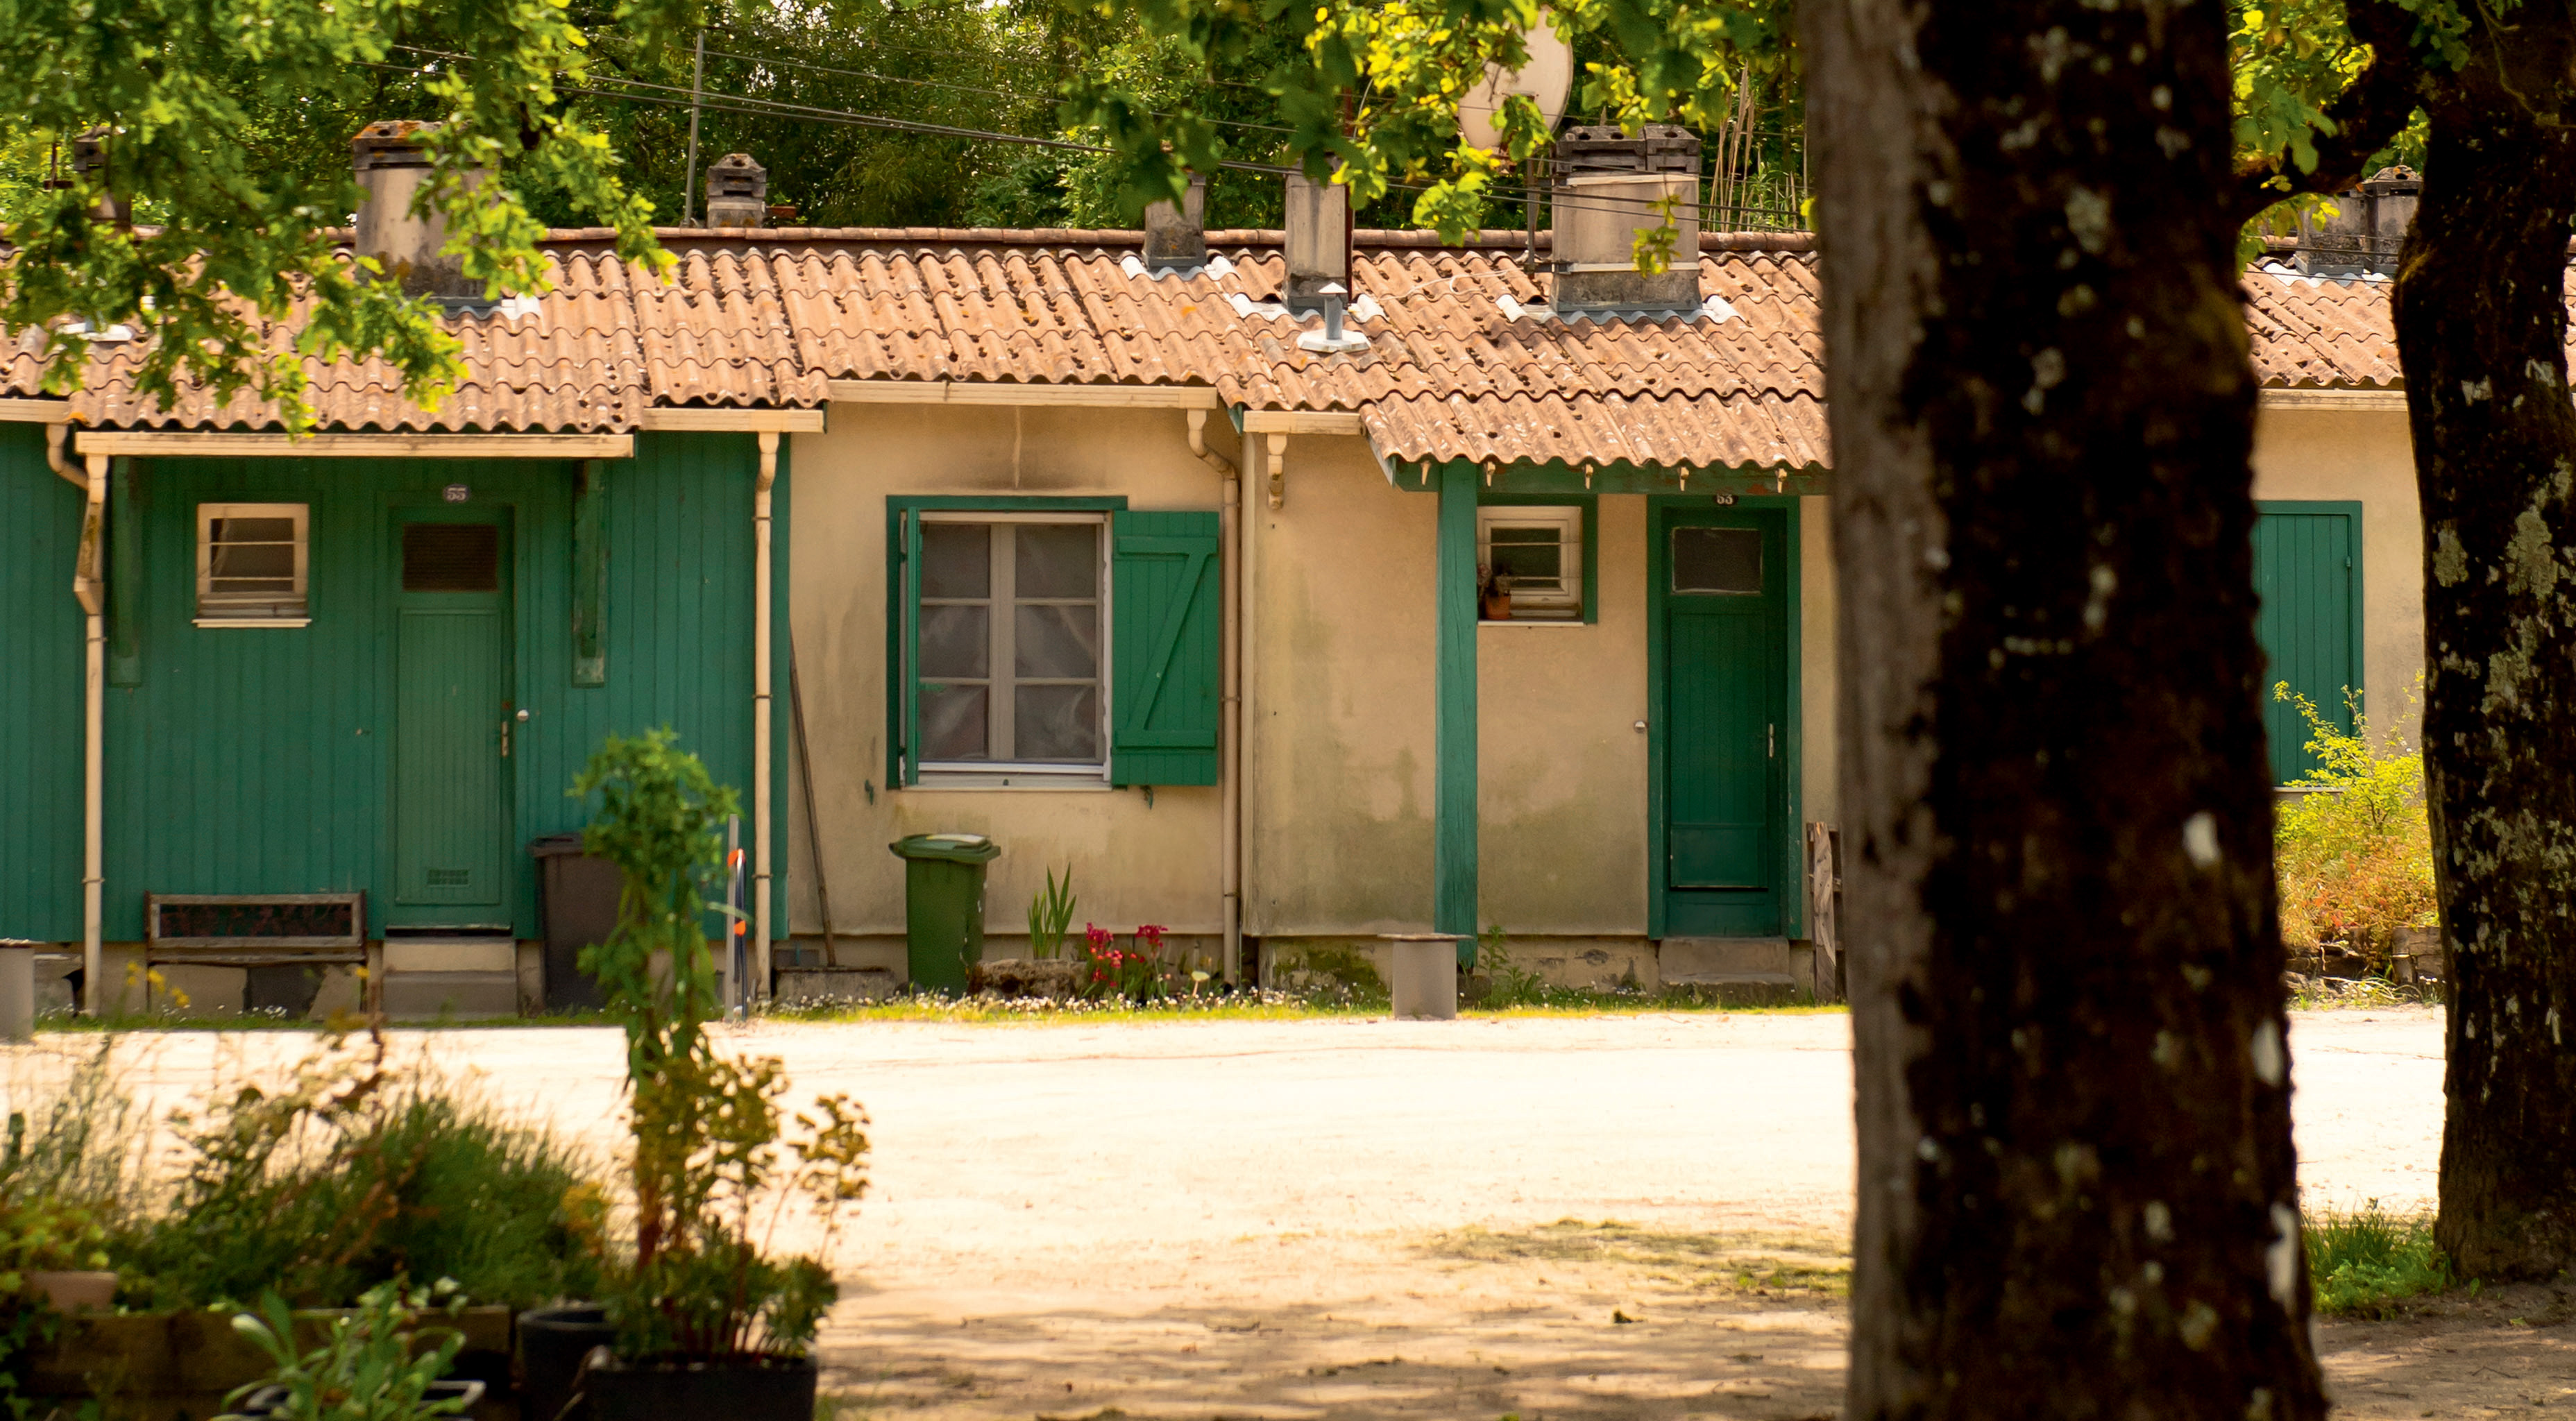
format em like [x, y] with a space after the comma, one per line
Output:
[1339, 760]
[1132, 863]
[2362, 455]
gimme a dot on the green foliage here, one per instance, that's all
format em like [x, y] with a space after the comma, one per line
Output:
[1050, 915]
[1510, 984]
[368, 1368]
[1375, 89]
[210, 239]
[347, 1176]
[708, 1143]
[2361, 1263]
[2355, 858]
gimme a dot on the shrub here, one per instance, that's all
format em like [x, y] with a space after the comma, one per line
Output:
[2361, 1263]
[350, 1176]
[2355, 858]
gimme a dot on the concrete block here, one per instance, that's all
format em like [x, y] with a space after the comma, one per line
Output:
[433, 996]
[341, 993]
[198, 990]
[1425, 986]
[451, 954]
[17, 991]
[532, 978]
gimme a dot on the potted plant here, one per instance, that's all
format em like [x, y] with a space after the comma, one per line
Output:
[371, 1365]
[708, 1325]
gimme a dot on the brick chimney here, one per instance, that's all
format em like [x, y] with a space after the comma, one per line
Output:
[1607, 189]
[737, 192]
[1176, 236]
[392, 168]
[2365, 229]
[1319, 241]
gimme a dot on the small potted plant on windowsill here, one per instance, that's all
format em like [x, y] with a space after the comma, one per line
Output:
[708, 1324]
[1494, 595]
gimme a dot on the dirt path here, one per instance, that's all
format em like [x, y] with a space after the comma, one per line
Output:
[1343, 1219]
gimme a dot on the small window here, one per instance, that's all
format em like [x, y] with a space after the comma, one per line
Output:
[1010, 644]
[451, 557]
[252, 564]
[1720, 561]
[1529, 563]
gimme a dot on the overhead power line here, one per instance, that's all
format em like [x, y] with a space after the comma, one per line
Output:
[674, 96]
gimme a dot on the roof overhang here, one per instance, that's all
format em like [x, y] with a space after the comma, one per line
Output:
[985, 392]
[2279, 398]
[35, 411]
[720, 421]
[217, 444]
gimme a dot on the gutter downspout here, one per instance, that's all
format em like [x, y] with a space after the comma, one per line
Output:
[90, 586]
[1247, 684]
[760, 711]
[1230, 676]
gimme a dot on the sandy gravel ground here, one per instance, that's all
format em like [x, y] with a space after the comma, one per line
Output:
[1613, 1217]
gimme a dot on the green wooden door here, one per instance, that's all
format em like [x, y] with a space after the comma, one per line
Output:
[1722, 594]
[452, 727]
[2307, 571]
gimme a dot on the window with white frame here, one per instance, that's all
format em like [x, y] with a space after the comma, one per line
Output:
[1530, 563]
[253, 564]
[1011, 643]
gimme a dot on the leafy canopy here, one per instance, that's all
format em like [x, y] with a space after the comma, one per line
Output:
[185, 237]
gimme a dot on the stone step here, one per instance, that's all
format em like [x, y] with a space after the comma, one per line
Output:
[450, 954]
[430, 996]
[1687, 960]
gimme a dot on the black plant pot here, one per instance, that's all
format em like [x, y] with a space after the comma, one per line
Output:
[552, 1342]
[747, 1386]
[263, 1403]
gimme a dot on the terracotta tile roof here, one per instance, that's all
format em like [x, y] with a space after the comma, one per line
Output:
[1463, 359]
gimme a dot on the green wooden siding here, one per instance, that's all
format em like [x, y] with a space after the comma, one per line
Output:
[41, 651]
[2307, 571]
[258, 760]
[1164, 646]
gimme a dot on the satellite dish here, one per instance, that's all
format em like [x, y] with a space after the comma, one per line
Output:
[1546, 79]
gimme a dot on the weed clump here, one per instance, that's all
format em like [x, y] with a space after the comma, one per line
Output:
[2364, 1262]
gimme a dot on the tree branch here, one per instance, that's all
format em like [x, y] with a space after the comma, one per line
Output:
[2366, 115]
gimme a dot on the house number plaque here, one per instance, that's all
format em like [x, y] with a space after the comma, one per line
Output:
[458, 493]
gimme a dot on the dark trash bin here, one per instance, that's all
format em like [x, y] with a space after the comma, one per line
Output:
[943, 906]
[577, 895]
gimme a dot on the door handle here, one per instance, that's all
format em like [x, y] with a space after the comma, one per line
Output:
[505, 740]
[1770, 742]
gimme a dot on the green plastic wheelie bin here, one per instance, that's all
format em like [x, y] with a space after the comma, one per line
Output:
[943, 906]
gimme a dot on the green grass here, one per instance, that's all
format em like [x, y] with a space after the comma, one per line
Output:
[2363, 1262]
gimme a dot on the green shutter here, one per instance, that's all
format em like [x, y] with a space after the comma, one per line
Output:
[907, 757]
[1164, 585]
[2307, 570]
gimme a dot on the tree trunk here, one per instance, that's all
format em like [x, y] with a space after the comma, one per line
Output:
[2482, 326]
[2077, 1193]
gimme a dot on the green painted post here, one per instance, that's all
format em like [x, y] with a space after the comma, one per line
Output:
[1453, 844]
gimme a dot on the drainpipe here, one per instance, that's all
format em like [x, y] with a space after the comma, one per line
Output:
[91, 587]
[1230, 675]
[1247, 677]
[760, 711]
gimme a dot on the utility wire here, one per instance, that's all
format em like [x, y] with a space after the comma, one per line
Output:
[961, 88]
[673, 96]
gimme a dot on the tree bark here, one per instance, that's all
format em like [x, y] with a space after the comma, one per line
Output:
[2077, 1193]
[2481, 322]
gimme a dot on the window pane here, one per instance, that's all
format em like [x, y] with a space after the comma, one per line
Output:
[254, 530]
[256, 560]
[953, 722]
[1056, 642]
[956, 560]
[1717, 560]
[956, 641]
[1058, 722]
[1058, 559]
[451, 557]
[1527, 556]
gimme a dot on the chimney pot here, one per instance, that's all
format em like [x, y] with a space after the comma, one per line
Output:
[1176, 235]
[392, 168]
[1610, 186]
[737, 192]
[1319, 241]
